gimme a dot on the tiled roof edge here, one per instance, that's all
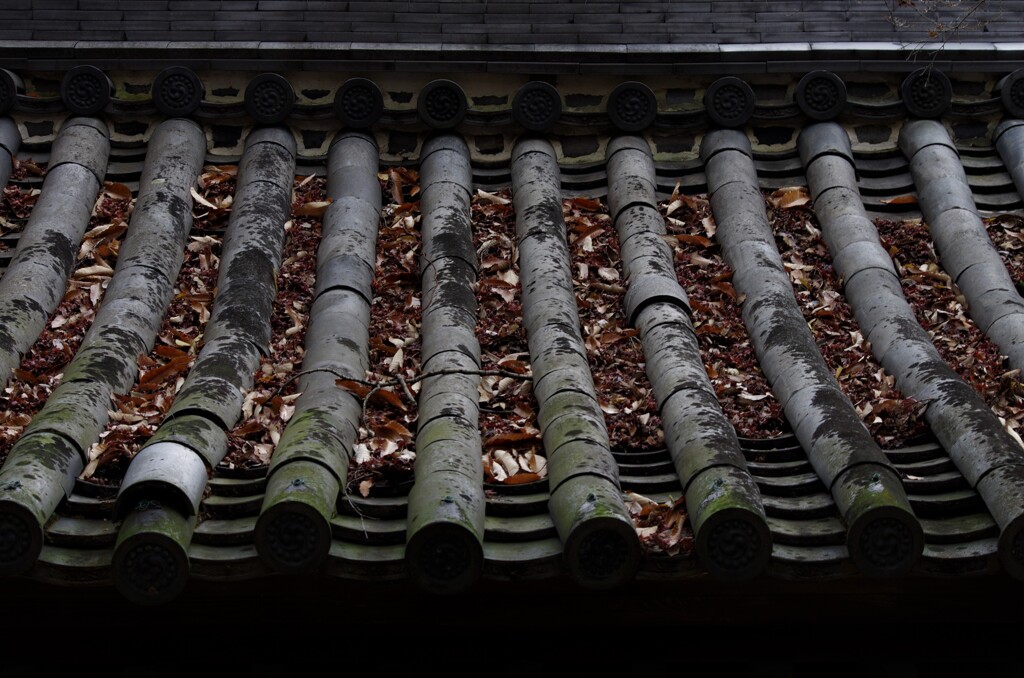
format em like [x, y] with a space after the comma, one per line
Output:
[549, 58]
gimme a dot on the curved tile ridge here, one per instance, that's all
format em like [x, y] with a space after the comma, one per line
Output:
[444, 551]
[44, 463]
[1009, 138]
[601, 549]
[310, 463]
[731, 532]
[10, 142]
[884, 537]
[164, 484]
[37, 277]
[982, 450]
[965, 250]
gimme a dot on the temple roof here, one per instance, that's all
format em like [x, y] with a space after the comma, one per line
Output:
[432, 300]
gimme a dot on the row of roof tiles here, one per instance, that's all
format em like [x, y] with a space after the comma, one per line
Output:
[643, 23]
[361, 103]
[799, 506]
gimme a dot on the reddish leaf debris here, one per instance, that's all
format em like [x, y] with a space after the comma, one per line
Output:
[1007, 234]
[15, 209]
[268, 404]
[728, 355]
[663, 527]
[513, 450]
[43, 365]
[941, 310]
[385, 451]
[18, 200]
[613, 348]
[892, 419]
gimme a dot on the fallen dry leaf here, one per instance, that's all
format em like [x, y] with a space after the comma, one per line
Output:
[900, 200]
[791, 196]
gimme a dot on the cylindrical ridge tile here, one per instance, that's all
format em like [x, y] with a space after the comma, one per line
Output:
[961, 239]
[444, 549]
[968, 430]
[35, 280]
[601, 549]
[701, 441]
[106, 362]
[823, 419]
[310, 464]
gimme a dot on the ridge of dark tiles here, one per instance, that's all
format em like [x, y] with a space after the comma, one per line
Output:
[940, 505]
[730, 22]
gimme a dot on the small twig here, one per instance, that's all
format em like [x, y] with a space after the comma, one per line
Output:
[362, 516]
[494, 410]
[405, 387]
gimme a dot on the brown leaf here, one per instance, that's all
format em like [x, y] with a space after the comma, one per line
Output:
[727, 289]
[515, 366]
[520, 478]
[694, 240]
[589, 232]
[217, 174]
[384, 397]
[26, 376]
[392, 430]
[364, 487]
[106, 231]
[608, 338]
[29, 166]
[708, 328]
[314, 209]
[248, 428]
[587, 204]
[360, 390]
[165, 372]
[901, 200]
[790, 196]
[396, 185]
[116, 191]
[517, 439]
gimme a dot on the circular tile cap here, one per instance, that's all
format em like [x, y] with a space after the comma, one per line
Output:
[734, 544]
[10, 87]
[927, 93]
[821, 95]
[150, 569]
[729, 102]
[885, 542]
[444, 558]
[292, 537]
[442, 104]
[602, 553]
[537, 106]
[1011, 91]
[21, 539]
[632, 107]
[177, 91]
[359, 103]
[269, 98]
[86, 90]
